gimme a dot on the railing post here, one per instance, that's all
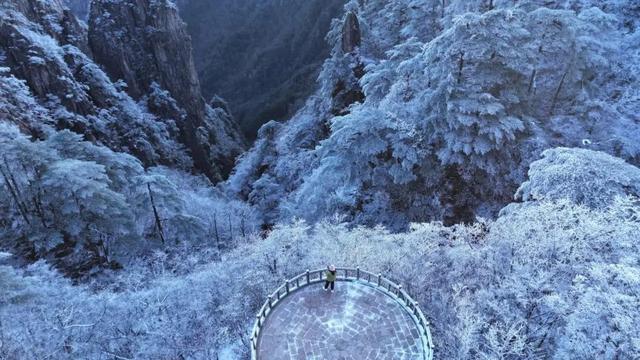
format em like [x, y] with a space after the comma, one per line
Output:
[297, 282]
[270, 301]
[286, 283]
[379, 279]
[259, 316]
[358, 273]
[308, 279]
[400, 291]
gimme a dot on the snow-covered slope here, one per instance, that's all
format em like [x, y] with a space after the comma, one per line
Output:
[86, 158]
[429, 112]
[109, 248]
[546, 279]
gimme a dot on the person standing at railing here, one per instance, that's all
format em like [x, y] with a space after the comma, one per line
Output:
[330, 278]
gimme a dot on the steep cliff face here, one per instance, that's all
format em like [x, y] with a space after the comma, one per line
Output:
[141, 42]
[33, 54]
[80, 8]
[47, 75]
[46, 60]
[347, 89]
[263, 57]
[55, 20]
[145, 43]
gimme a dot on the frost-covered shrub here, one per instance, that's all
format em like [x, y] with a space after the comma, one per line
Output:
[18, 104]
[546, 279]
[586, 177]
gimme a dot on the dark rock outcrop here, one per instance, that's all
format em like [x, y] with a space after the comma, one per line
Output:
[144, 43]
[34, 57]
[351, 33]
[62, 88]
[55, 19]
[43, 44]
[348, 91]
[343, 97]
[80, 8]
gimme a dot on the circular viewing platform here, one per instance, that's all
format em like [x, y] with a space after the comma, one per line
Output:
[367, 317]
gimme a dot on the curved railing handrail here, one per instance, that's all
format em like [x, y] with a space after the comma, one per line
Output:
[316, 276]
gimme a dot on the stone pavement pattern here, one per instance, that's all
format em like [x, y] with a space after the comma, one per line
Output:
[356, 322]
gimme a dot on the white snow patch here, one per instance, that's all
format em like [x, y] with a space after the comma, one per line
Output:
[230, 352]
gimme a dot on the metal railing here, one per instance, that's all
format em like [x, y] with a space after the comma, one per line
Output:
[344, 274]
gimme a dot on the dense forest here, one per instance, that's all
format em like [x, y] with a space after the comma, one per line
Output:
[484, 153]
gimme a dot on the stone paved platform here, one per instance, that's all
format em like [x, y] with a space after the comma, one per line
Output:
[356, 322]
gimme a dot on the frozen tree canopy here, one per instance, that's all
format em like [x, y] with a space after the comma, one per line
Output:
[484, 153]
[452, 112]
[585, 177]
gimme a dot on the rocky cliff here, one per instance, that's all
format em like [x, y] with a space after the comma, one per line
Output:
[33, 52]
[80, 8]
[145, 43]
[148, 103]
[350, 33]
[54, 19]
[263, 56]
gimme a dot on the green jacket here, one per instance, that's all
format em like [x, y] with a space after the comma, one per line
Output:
[331, 276]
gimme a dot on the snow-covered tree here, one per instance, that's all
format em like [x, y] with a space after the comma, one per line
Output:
[472, 103]
[585, 177]
[84, 206]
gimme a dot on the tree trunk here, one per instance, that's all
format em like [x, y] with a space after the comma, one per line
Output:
[531, 80]
[460, 67]
[242, 224]
[155, 215]
[215, 229]
[14, 193]
[555, 96]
